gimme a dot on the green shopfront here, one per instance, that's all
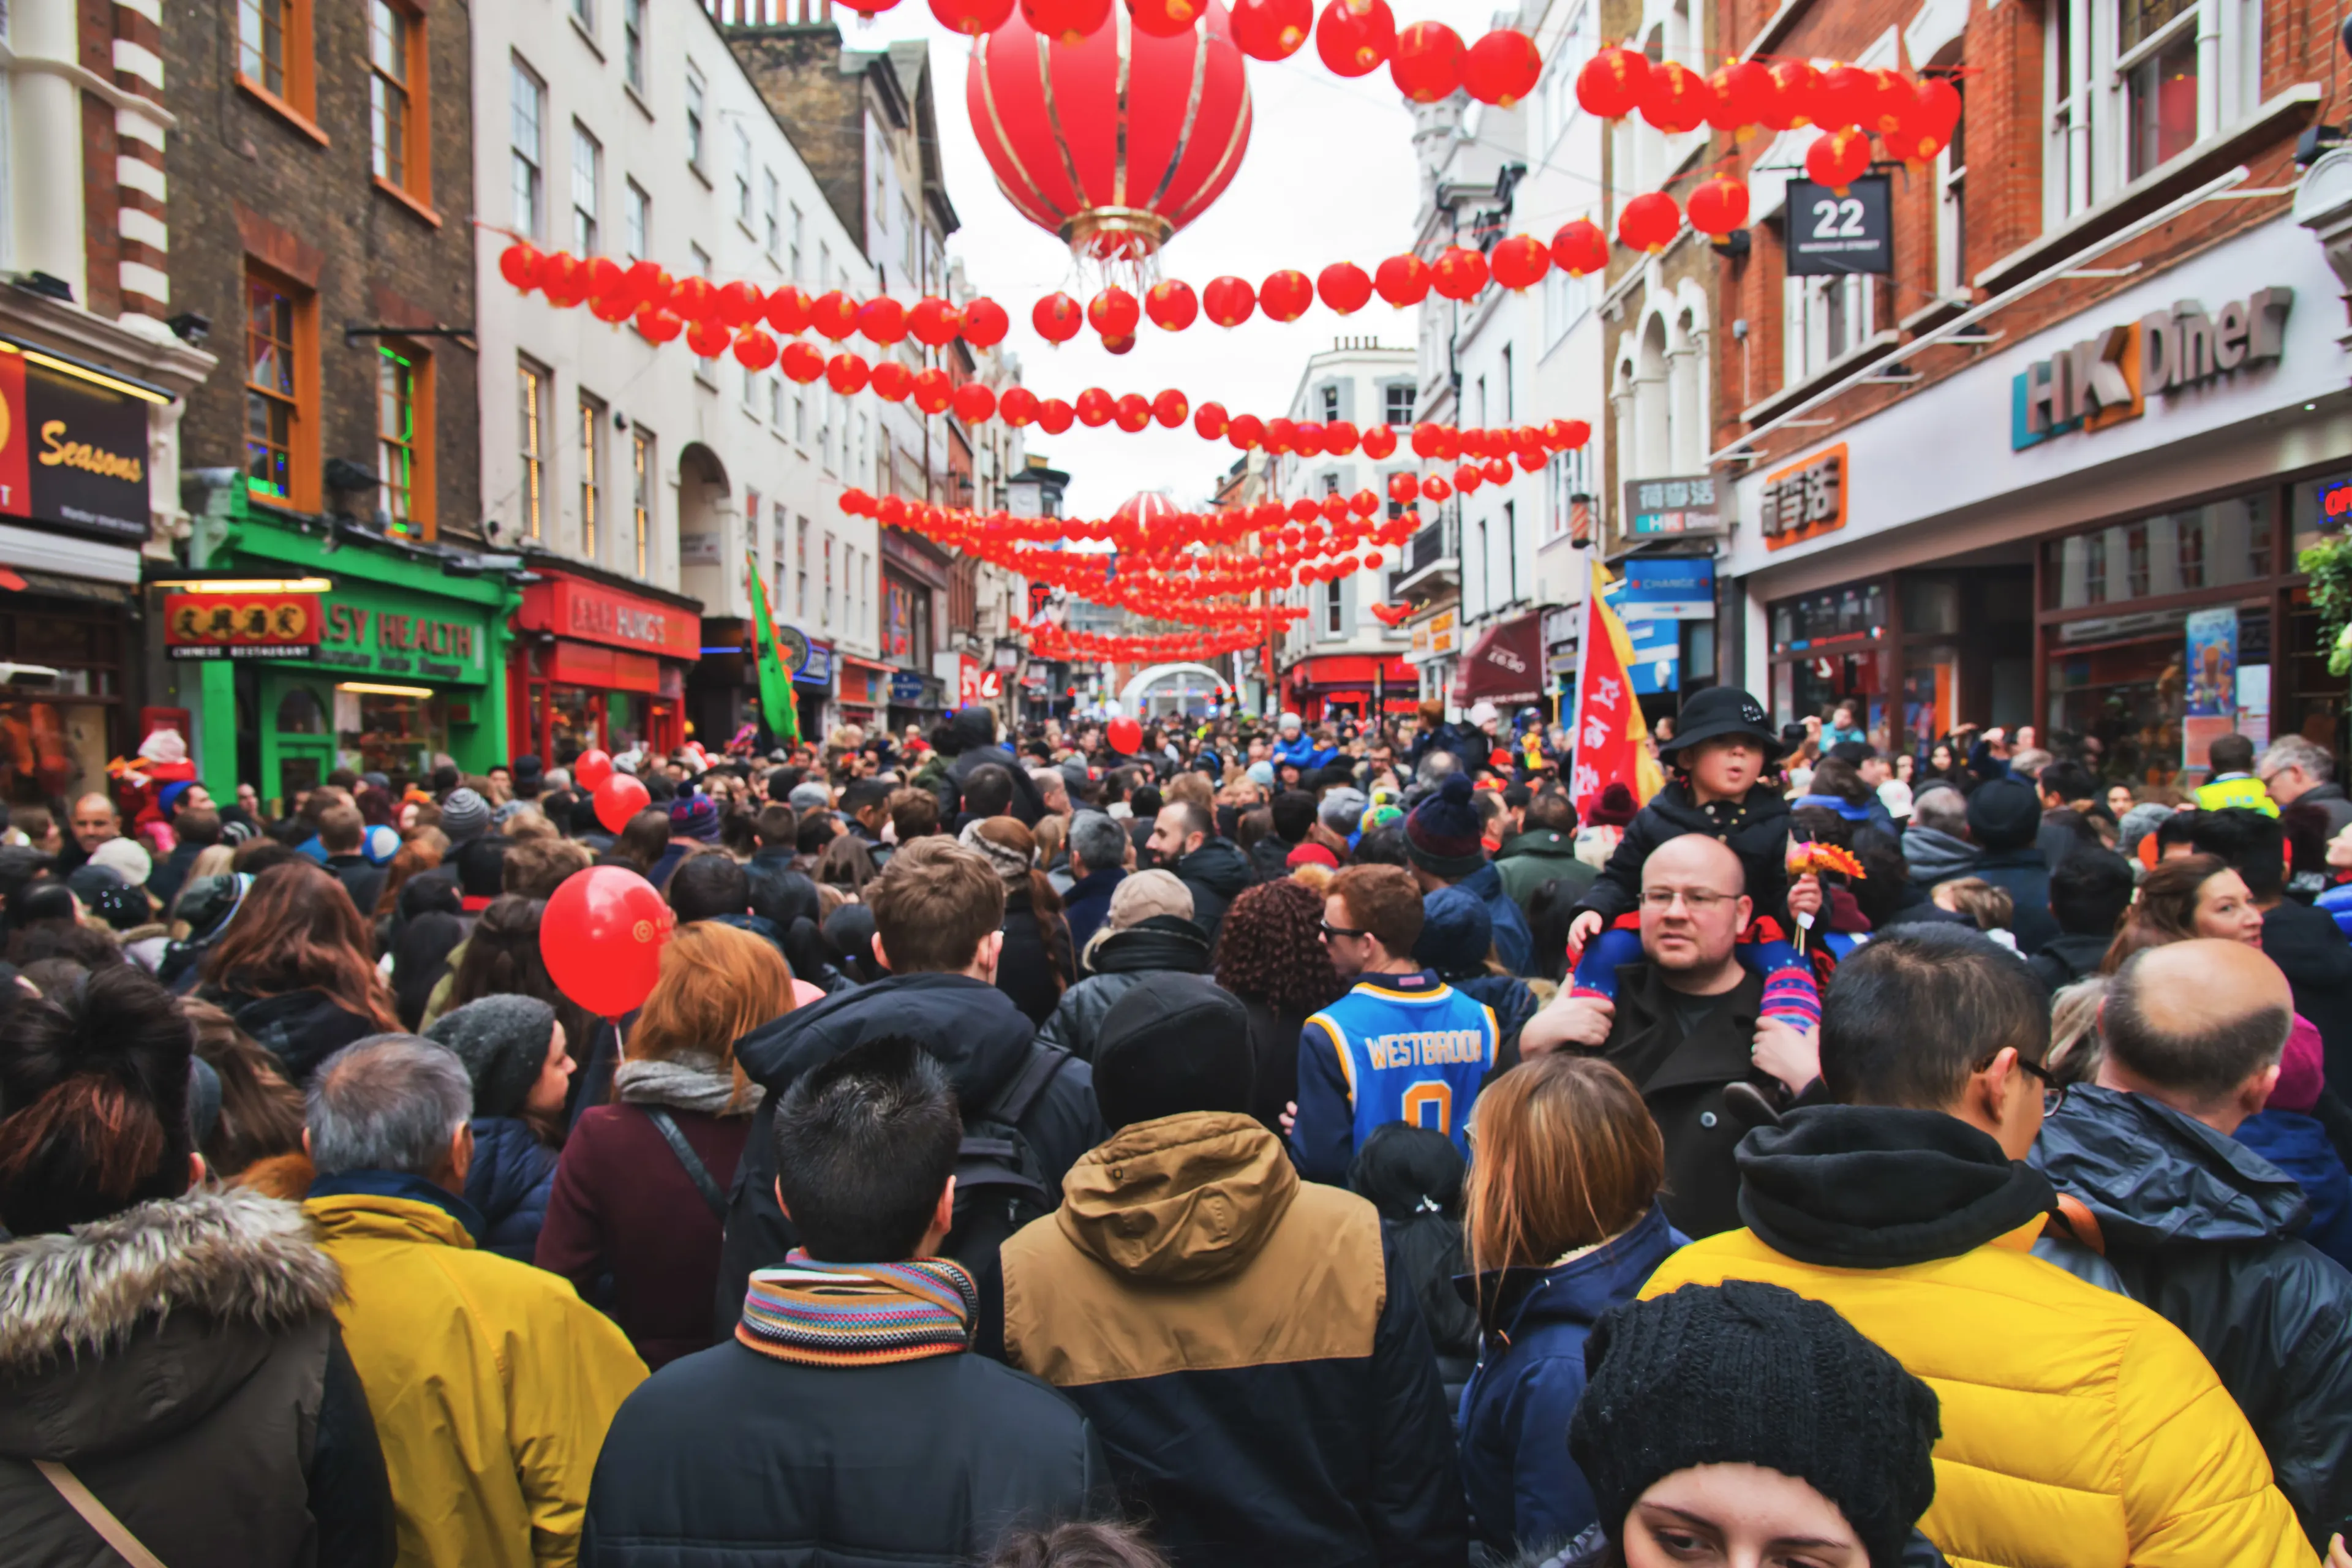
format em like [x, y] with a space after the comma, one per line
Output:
[407, 667]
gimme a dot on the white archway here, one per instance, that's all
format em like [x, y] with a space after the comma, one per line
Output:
[1187, 687]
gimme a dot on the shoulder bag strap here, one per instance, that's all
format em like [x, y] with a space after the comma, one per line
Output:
[96, 1515]
[696, 1171]
[1022, 1091]
[2078, 1218]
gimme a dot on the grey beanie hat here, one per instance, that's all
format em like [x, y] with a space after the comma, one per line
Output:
[503, 1042]
[465, 816]
[1342, 810]
[810, 796]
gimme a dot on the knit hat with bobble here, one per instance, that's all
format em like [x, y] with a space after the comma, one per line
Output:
[1749, 1373]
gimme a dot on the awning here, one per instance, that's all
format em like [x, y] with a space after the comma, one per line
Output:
[1347, 672]
[1505, 665]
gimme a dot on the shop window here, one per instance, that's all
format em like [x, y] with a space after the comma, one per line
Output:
[388, 733]
[55, 746]
[592, 472]
[401, 154]
[587, 180]
[526, 143]
[2217, 546]
[531, 387]
[280, 389]
[273, 51]
[403, 442]
[641, 494]
[300, 712]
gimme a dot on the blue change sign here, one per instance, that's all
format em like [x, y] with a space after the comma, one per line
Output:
[1667, 588]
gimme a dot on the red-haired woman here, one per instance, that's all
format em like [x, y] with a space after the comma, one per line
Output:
[1270, 953]
[294, 970]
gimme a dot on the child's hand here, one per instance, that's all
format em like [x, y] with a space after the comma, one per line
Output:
[1789, 1054]
[1581, 930]
[1805, 895]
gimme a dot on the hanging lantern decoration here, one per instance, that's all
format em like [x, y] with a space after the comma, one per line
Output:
[1113, 173]
[890, 380]
[1245, 431]
[1170, 408]
[1519, 262]
[1163, 18]
[1355, 37]
[1573, 434]
[1436, 487]
[973, 402]
[1579, 248]
[1427, 64]
[1272, 29]
[1611, 83]
[1404, 488]
[1459, 274]
[1718, 205]
[1840, 98]
[689, 297]
[1054, 416]
[1743, 93]
[1928, 122]
[788, 311]
[708, 339]
[1502, 68]
[869, 10]
[1228, 301]
[1791, 105]
[882, 321]
[1676, 98]
[1890, 94]
[739, 304]
[519, 263]
[1285, 295]
[1378, 442]
[846, 373]
[1340, 437]
[1402, 280]
[1057, 318]
[1095, 408]
[1649, 222]
[1838, 159]
[1119, 346]
[932, 391]
[1017, 408]
[1170, 305]
[1068, 23]
[803, 362]
[1209, 421]
[972, 18]
[933, 322]
[1343, 287]
[659, 325]
[1113, 312]
[832, 313]
[983, 322]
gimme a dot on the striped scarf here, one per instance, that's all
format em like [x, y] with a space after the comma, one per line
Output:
[858, 1314]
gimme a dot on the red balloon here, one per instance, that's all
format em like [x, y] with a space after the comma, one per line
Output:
[1057, 318]
[1427, 64]
[1285, 295]
[1272, 29]
[1170, 305]
[1344, 287]
[1520, 262]
[1718, 205]
[972, 17]
[984, 322]
[620, 797]
[1579, 248]
[1068, 22]
[1228, 301]
[601, 935]
[1402, 280]
[1355, 36]
[1501, 67]
[1125, 736]
[590, 768]
[1610, 85]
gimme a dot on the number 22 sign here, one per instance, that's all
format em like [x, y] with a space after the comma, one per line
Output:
[1832, 235]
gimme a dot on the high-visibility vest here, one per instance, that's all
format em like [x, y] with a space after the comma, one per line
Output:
[2235, 789]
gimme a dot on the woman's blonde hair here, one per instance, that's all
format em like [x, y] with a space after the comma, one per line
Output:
[1567, 1157]
[717, 985]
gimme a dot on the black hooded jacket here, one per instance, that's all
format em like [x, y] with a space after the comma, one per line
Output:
[1754, 828]
[2309, 949]
[1161, 944]
[974, 1032]
[972, 737]
[2203, 1231]
[1217, 873]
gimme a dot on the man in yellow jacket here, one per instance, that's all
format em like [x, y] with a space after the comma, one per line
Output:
[2081, 1430]
[491, 1382]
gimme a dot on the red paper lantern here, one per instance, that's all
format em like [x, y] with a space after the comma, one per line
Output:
[1054, 416]
[890, 380]
[1926, 122]
[1676, 97]
[1355, 36]
[1170, 407]
[1341, 438]
[983, 323]
[1743, 93]
[1164, 18]
[1792, 104]
[933, 322]
[833, 313]
[1459, 274]
[1572, 433]
[1112, 173]
[882, 321]
[1436, 487]
[1520, 262]
[689, 297]
[1427, 64]
[1057, 318]
[1272, 29]
[1579, 248]
[1610, 86]
[846, 373]
[869, 8]
[616, 305]
[556, 271]
[1429, 441]
[1496, 469]
[1838, 159]
[972, 17]
[1209, 421]
[754, 349]
[1468, 477]
[518, 265]
[708, 339]
[932, 391]
[1343, 287]
[1718, 205]
[1095, 408]
[1131, 413]
[602, 933]
[1170, 305]
[1017, 406]
[973, 402]
[1890, 95]
[1245, 431]
[788, 311]
[1649, 222]
[1402, 280]
[1841, 98]
[1285, 295]
[801, 362]
[658, 325]
[1228, 301]
[1281, 434]
[1306, 438]
[739, 304]
[1379, 441]
[1502, 68]
[1404, 489]
[1113, 312]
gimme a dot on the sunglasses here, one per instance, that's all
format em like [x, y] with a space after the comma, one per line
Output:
[1330, 930]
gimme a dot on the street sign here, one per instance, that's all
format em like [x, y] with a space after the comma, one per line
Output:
[1830, 236]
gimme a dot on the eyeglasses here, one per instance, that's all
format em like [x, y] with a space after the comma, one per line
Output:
[2053, 1093]
[1330, 930]
[1659, 900]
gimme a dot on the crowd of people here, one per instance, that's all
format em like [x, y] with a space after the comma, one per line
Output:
[1271, 1144]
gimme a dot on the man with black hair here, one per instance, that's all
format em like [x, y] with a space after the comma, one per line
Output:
[2078, 1426]
[709, 886]
[842, 1420]
[2063, 786]
[2234, 783]
[1543, 850]
[1294, 818]
[2005, 825]
[2088, 895]
[987, 792]
[2305, 943]
[971, 740]
[343, 833]
[866, 806]
[2200, 1227]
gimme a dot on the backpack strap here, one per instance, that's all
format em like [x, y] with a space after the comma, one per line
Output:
[2077, 1218]
[96, 1515]
[696, 1171]
[1013, 1101]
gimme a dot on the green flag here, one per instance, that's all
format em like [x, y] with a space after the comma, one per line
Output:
[775, 680]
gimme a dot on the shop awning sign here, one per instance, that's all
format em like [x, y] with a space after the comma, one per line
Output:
[72, 454]
[1833, 234]
[242, 625]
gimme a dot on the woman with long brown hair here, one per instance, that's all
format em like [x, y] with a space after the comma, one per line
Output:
[1563, 1224]
[639, 1192]
[2190, 896]
[294, 969]
[1036, 965]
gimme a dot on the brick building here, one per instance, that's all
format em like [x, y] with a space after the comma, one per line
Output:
[2051, 466]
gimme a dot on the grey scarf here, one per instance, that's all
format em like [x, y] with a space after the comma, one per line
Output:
[688, 1081]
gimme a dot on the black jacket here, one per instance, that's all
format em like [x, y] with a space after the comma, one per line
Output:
[1754, 828]
[2202, 1230]
[171, 874]
[1162, 944]
[980, 1040]
[1274, 1042]
[1217, 874]
[1269, 857]
[731, 1456]
[301, 1028]
[2309, 949]
[2065, 959]
[1682, 1079]
[1027, 804]
[1036, 964]
[361, 879]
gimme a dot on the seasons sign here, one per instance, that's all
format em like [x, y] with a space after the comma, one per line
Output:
[72, 454]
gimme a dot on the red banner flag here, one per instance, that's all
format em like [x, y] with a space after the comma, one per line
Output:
[1609, 736]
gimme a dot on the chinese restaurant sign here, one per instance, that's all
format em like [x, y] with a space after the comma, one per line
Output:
[242, 625]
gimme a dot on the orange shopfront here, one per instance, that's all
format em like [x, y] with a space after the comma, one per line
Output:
[594, 664]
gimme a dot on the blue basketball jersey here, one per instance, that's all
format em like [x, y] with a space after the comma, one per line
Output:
[1416, 1056]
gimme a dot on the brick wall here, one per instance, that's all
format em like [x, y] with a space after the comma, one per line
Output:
[246, 181]
[797, 70]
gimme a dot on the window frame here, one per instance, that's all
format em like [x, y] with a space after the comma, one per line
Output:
[636, 220]
[633, 46]
[414, 183]
[743, 157]
[587, 224]
[643, 499]
[2088, 122]
[535, 391]
[697, 113]
[295, 97]
[421, 487]
[532, 224]
[301, 348]
[593, 489]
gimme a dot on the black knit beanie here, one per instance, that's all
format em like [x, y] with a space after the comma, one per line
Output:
[1442, 834]
[503, 1041]
[1172, 1044]
[1749, 1373]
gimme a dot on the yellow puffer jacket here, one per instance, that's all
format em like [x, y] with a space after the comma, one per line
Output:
[491, 1382]
[2081, 1430]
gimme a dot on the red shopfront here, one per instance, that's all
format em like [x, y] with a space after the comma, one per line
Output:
[597, 665]
[1337, 685]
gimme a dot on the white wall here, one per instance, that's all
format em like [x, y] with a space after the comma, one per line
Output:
[1360, 377]
[1566, 374]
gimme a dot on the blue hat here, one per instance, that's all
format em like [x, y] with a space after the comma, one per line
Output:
[167, 799]
[380, 844]
[1455, 933]
[694, 814]
[1443, 835]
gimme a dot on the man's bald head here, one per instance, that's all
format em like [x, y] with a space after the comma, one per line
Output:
[1693, 907]
[2193, 1021]
[1695, 859]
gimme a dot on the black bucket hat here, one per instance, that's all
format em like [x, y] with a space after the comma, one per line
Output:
[1722, 711]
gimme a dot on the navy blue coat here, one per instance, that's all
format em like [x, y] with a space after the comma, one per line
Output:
[1514, 944]
[2298, 1145]
[509, 1182]
[1525, 1492]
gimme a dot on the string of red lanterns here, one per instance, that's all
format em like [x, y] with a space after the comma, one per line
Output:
[1048, 641]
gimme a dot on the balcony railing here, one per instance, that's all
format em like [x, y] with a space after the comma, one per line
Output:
[1434, 545]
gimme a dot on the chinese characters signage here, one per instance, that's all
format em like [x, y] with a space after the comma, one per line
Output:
[1805, 500]
[1671, 507]
[241, 625]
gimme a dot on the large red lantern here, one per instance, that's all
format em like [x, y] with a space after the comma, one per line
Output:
[972, 17]
[1610, 86]
[1520, 262]
[1579, 248]
[1792, 104]
[973, 402]
[1115, 142]
[1501, 67]
[983, 322]
[1272, 29]
[1344, 288]
[1355, 36]
[1676, 97]
[1459, 274]
[1649, 222]
[1743, 95]
[1057, 318]
[1718, 205]
[1130, 412]
[1402, 280]
[1229, 300]
[1285, 295]
[1838, 159]
[1427, 64]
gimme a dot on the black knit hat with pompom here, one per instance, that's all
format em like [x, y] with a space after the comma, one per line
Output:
[1749, 1373]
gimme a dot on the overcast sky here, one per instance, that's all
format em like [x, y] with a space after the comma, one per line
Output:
[1328, 176]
